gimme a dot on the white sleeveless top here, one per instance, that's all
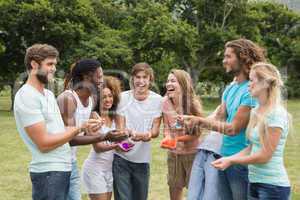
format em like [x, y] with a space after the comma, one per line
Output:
[81, 115]
[101, 161]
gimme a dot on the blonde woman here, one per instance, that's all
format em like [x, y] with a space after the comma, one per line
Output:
[267, 131]
[180, 99]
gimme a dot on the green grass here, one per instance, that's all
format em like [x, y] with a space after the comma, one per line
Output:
[14, 158]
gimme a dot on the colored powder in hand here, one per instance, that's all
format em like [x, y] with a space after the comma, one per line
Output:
[125, 145]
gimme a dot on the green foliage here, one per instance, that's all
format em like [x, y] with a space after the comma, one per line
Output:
[171, 33]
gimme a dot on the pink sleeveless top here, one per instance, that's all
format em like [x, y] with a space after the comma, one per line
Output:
[170, 115]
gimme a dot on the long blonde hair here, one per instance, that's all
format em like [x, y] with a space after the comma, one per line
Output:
[268, 75]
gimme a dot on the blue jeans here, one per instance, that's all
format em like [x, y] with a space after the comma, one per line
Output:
[262, 191]
[204, 179]
[53, 185]
[234, 182]
[131, 180]
[74, 191]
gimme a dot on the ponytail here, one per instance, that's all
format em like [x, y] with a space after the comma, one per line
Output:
[68, 77]
[78, 70]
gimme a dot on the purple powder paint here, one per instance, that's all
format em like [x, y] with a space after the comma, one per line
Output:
[126, 145]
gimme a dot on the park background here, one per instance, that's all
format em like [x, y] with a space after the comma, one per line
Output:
[185, 34]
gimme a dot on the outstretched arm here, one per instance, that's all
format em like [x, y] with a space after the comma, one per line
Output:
[260, 157]
[239, 122]
[47, 142]
[67, 106]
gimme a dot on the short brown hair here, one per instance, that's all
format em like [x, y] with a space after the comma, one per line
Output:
[247, 52]
[142, 67]
[38, 53]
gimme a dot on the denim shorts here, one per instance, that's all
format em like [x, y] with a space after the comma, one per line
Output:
[263, 191]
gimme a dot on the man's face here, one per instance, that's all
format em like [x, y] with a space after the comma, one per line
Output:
[93, 81]
[141, 82]
[45, 70]
[97, 78]
[231, 62]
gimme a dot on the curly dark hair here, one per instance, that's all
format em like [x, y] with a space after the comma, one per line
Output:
[247, 52]
[78, 70]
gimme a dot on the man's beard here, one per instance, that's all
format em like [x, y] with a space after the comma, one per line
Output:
[42, 76]
[91, 87]
[236, 70]
[94, 89]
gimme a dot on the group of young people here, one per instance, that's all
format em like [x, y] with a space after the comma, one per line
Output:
[234, 153]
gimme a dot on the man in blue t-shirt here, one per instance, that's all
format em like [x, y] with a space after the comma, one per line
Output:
[41, 127]
[235, 108]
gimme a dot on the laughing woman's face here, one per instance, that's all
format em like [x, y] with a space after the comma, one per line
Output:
[173, 87]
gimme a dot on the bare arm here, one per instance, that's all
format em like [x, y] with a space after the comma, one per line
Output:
[120, 122]
[265, 153]
[219, 113]
[239, 122]
[166, 130]
[67, 106]
[103, 146]
[155, 127]
[260, 157]
[47, 142]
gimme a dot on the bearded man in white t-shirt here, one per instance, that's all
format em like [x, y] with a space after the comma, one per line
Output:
[140, 112]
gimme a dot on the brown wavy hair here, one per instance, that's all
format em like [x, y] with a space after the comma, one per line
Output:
[114, 84]
[38, 53]
[247, 52]
[191, 102]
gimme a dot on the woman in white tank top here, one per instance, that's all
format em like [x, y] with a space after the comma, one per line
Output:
[97, 176]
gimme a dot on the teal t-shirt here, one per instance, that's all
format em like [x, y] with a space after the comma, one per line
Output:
[273, 172]
[31, 107]
[236, 95]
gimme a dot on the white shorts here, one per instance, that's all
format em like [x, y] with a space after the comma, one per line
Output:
[96, 181]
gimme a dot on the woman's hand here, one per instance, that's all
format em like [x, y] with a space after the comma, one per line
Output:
[145, 137]
[222, 163]
[92, 126]
[116, 135]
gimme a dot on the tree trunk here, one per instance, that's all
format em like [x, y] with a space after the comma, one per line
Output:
[195, 75]
[12, 95]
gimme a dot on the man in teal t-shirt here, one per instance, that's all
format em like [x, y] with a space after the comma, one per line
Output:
[235, 109]
[235, 95]
[41, 127]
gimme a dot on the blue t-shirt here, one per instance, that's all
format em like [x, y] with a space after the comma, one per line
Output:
[236, 95]
[273, 172]
[31, 107]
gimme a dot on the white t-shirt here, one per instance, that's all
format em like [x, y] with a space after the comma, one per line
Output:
[101, 161]
[139, 117]
[31, 107]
